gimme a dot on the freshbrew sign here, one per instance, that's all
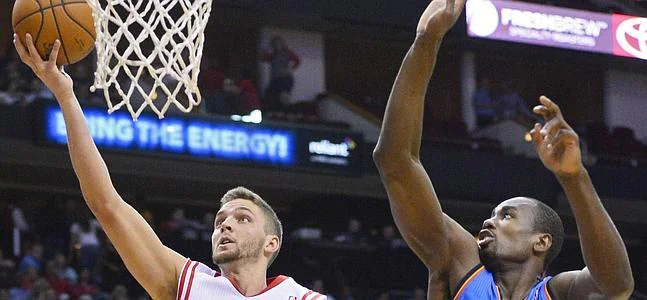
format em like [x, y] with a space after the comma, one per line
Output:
[557, 27]
[292, 147]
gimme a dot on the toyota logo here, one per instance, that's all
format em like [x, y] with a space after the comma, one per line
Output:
[631, 35]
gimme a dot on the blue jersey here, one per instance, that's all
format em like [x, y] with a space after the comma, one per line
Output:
[479, 284]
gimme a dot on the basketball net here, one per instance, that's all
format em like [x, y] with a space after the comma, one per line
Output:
[149, 53]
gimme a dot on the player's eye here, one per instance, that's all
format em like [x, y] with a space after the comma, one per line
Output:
[245, 219]
[507, 216]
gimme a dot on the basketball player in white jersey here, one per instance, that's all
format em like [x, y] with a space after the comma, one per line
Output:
[246, 239]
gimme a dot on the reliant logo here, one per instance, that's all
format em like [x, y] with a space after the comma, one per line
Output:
[631, 35]
[325, 147]
[482, 17]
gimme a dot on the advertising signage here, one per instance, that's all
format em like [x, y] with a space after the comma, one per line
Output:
[557, 27]
[257, 144]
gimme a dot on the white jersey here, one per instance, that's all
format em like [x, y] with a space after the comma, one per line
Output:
[199, 282]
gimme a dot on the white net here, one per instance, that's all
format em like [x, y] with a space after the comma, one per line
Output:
[149, 53]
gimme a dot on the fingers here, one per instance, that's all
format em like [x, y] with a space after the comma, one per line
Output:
[535, 135]
[564, 137]
[54, 54]
[22, 51]
[33, 53]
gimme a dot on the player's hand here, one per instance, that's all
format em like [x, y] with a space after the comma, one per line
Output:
[556, 142]
[438, 18]
[52, 75]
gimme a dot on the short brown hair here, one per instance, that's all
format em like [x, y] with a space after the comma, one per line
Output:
[272, 223]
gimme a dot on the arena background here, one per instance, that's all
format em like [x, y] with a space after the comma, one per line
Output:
[349, 55]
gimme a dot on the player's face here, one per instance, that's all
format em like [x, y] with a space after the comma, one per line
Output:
[508, 234]
[239, 232]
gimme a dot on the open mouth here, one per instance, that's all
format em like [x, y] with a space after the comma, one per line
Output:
[485, 237]
[225, 241]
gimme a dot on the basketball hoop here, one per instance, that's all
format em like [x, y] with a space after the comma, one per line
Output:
[149, 53]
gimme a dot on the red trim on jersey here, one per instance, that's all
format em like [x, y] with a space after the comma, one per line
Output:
[271, 283]
[181, 288]
[306, 295]
[188, 289]
[317, 296]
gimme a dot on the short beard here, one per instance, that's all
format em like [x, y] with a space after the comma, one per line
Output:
[247, 250]
[488, 258]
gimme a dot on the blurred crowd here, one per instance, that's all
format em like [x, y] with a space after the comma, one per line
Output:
[57, 250]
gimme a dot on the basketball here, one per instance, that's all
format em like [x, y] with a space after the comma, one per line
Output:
[70, 21]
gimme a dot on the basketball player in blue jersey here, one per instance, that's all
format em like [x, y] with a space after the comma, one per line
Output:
[522, 236]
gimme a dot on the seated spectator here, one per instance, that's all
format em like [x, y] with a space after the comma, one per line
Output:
[42, 291]
[32, 260]
[84, 287]
[354, 233]
[484, 105]
[64, 270]
[27, 279]
[119, 293]
[389, 238]
[56, 282]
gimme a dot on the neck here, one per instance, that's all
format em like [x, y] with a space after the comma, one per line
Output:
[249, 278]
[515, 280]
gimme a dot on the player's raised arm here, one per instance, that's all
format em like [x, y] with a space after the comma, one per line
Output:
[607, 265]
[154, 266]
[436, 239]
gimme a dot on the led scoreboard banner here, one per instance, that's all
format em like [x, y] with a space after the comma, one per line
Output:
[258, 144]
[544, 25]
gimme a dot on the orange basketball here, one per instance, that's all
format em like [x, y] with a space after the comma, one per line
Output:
[70, 21]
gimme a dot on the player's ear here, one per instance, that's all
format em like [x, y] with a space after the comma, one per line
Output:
[543, 241]
[272, 243]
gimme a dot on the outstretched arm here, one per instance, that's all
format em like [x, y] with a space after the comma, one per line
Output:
[607, 264]
[414, 204]
[154, 266]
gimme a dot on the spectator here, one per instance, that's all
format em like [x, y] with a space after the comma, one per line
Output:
[248, 95]
[283, 62]
[27, 278]
[389, 238]
[42, 291]
[84, 287]
[32, 260]
[318, 286]
[354, 233]
[512, 105]
[85, 238]
[419, 294]
[56, 282]
[119, 293]
[484, 105]
[64, 270]
[211, 76]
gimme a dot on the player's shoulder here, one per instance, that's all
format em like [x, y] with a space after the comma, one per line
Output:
[288, 285]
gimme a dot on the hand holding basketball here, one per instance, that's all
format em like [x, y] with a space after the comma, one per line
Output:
[556, 142]
[47, 70]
